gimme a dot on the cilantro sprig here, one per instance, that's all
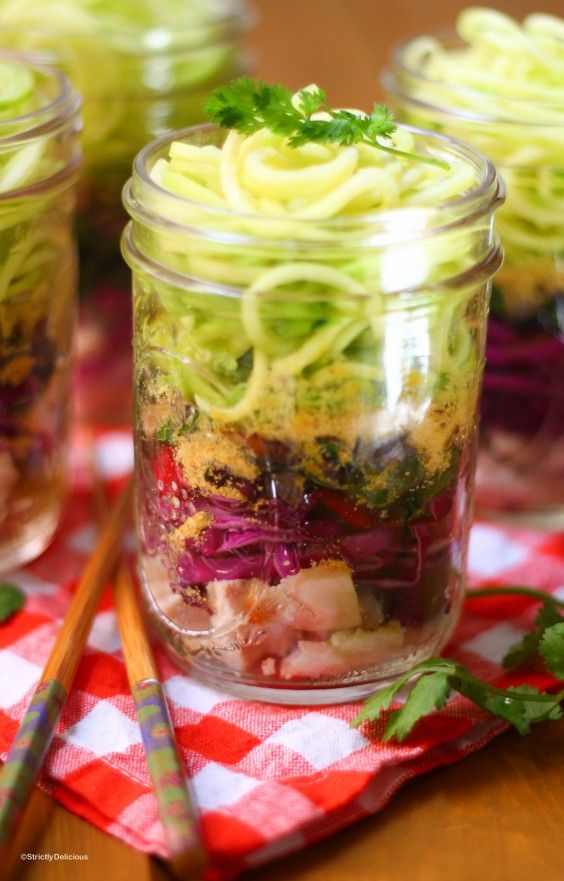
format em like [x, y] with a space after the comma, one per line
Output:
[248, 106]
[11, 600]
[437, 678]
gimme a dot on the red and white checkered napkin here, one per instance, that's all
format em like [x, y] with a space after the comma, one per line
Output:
[268, 779]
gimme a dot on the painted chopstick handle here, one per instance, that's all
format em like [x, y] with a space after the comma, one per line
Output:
[169, 784]
[26, 755]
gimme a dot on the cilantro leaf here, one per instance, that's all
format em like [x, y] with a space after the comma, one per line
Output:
[311, 100]
[476, 690]
[248, 106]
[551, 648]
[513, 706]
[12, 599]
[526, 649]
[415, 706]
[519, 654]
[233, 106]
[520, 705]
[377, 704]
[429, 693]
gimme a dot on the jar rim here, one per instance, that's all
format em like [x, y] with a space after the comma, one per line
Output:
[136, 259]
[377, 228]
[52, 116]
[450, 38]
[156, 40]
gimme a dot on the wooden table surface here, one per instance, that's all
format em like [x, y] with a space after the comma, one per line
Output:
[499, 814]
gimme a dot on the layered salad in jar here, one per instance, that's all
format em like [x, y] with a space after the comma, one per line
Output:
[500, 86]
[307, 372]
[142, 69]
[39, 163]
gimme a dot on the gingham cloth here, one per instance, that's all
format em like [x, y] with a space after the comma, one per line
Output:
[268, 779]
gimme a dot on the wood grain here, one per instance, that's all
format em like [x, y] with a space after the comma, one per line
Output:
[499, 814]
[177, 810]
[136, 648]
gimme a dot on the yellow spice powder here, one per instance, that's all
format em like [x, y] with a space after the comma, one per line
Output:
[192, 528]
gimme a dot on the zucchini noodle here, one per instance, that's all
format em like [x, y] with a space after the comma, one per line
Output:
[501, 87]
[290, 312]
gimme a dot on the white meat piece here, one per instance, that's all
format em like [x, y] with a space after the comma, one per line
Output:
[370, 607]
[264, 644]
[344, 652]
[227, 600]
[241, 609]
[321, 598]
[268, 667]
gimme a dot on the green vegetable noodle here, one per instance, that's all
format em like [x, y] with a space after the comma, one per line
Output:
[39, 164]
[310, 288]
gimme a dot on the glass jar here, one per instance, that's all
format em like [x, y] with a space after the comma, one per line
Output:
[306, 399]
[141, 73]
[39, 165]
[520, 472]
[142, 69]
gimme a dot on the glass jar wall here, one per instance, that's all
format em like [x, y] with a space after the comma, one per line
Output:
[306, 396]
[39, 165]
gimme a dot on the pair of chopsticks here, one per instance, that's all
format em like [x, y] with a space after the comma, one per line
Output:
[33, 738]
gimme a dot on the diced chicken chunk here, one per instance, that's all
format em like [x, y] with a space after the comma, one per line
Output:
[345, 651]
[370, 607]
[263, 646]
[227, 600]
[321, 598]
[241, 609]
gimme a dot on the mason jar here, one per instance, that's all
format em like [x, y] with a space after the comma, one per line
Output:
[141, 72]
[39, 165]
[305, 397]
[142, 69]
[521, 460]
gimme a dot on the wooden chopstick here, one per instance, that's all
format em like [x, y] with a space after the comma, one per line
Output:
[34, 735]
[176, 808]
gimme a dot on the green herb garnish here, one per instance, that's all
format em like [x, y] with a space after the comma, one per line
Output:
[437, 678]
[12, 599]
[248, 106]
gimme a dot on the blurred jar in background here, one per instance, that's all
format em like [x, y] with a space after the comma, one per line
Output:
[39, 165]
[142, 68]
[499, 85]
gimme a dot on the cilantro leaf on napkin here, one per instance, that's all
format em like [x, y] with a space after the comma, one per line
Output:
[524, 651]
[12, 599]
[552, 649]
[437, 678]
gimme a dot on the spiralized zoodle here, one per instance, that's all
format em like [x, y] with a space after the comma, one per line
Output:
[258, 186]
[502, 90]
